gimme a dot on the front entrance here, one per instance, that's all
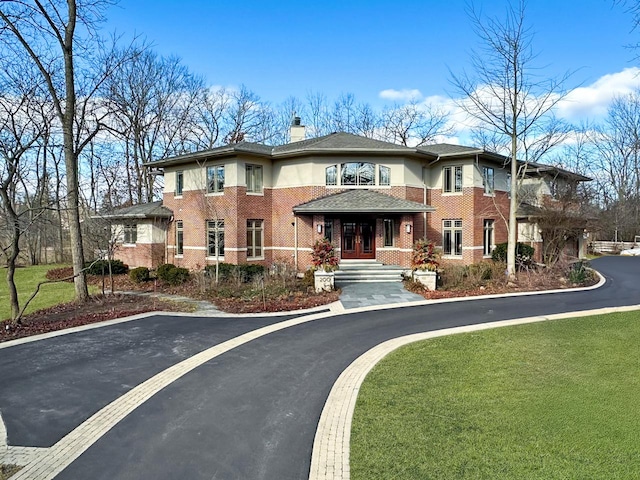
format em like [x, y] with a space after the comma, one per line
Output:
[359, 239]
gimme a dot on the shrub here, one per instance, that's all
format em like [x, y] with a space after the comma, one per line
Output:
[171, 274]
[524, 255]
[323, 255]
[308, 280]
[245, 272]
[139, 274]
[98, 267]
[424, 256]
[579, 272]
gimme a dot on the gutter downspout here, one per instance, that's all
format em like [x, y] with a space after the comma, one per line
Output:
[295, 241]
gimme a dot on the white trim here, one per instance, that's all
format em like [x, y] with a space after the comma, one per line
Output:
[255, 194]
[214, 194]
[255, 258]
[481, 247]
[213, 259]
[186, 247]
[231, 249]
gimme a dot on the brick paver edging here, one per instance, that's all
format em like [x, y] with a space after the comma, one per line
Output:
[330, 455]
[51, 461]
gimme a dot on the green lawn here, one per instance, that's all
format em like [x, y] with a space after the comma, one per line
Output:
[553, 400]
[26, 280]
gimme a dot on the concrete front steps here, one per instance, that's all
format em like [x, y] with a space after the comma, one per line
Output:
[352, 271]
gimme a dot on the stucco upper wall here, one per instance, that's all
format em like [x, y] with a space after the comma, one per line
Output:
[472, 172]
[195, 175]
[148, 231]
[311, 171]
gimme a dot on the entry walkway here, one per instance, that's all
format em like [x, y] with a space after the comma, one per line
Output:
[367, 294]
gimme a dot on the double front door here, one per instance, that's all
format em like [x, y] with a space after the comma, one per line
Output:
[358, 239]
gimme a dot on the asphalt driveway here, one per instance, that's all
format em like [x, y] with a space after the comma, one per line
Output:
[249, 413]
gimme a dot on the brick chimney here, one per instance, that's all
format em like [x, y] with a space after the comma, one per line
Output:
[296, 133]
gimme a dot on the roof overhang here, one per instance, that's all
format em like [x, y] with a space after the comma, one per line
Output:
[360, 201]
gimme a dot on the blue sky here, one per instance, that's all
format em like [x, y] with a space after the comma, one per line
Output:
[287, 47]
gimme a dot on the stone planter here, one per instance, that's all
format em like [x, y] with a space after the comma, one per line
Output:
[426, 278]
[324, 281]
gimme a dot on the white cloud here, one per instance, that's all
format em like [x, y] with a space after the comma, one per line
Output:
[592, 101]
[400, 95]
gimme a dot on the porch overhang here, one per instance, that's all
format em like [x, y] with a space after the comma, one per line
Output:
[359, 202]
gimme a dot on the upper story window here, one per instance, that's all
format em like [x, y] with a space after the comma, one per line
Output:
[215, 179]
[179, 182]
[452, 179]
[130, 233]
[385, 175]
[254, 178]
[331, 175]
[358, 173]
[488, 180]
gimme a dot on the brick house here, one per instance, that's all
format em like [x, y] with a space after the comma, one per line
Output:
[250, 202]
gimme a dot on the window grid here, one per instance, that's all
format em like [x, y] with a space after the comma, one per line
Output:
[452, 237]
[487, 243]
[385, 175]
[331, 175]
[357, 173]
[215, 179]
[254, 238]
[179, 182]
[254, 178]
[179, 238]
[452, 179]
[488, 180]
[388, 232]
[130, 233]
[215, 238]
[328, 230]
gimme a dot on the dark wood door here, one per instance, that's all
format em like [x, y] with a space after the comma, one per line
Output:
[358, 240]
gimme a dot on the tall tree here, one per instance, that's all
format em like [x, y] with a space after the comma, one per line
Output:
[506, 95]
[50, 33]
[415, 124]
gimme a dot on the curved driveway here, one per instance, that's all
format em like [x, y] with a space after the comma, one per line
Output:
[251, 412]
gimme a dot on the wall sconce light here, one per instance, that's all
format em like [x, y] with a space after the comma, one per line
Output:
[319, 227]
[407, 228]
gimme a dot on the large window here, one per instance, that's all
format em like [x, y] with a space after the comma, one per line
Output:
[487, 243]
[385, 175]
[331, 175]
[388, 232]
[452, 237]
[254, 178]
[179, 238]
[452, 179]
[215, 179]
[179, 182]
[487, 180]
[255, 238]
[358, 173]
[130, 233]
[215, 238]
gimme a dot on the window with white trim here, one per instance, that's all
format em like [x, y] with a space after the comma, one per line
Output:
[487, 242]
[179, 182]
[357, 173]
[452, 179]
[130, 233]
[215, 179]
[179, 237]
[331, 175]
[254, 178]
[255, 238]
[385, 175]
[388, 232]
[452, 237]
[488, 180]
[215, 238]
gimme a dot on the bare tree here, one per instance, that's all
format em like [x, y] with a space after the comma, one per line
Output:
[505, 94]
[49, 34]
[415, 124]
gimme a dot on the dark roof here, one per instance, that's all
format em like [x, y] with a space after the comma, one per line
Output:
[361, 201]
[341, 141]
[533, 167]
[528, 210]
[141, 210]
[445, 149]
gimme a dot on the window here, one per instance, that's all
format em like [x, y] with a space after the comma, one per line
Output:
[452, 237]
[388, 232]
[509, 184]
[254, 178]
[487, 180]
[215, 179]
[179, 182]
[358, 173]
[130, 232]
[179, 238]
[385, 175]
[328, 230]
[331, 175]
[215, 238]
[452, 179]
[487, 242]
[254, 238]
